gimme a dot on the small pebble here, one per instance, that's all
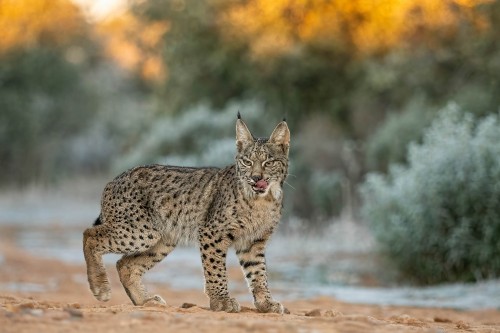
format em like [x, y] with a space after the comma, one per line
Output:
[74, 305]
[442, 320]
[35, 312]
[314, 313]
[74, 313]
[187, 305]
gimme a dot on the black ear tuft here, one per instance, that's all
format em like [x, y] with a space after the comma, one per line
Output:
[284, 119]
[239, 115]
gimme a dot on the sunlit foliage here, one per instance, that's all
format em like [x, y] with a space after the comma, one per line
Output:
[311, 56]
[37, 23]
[277, 28]
[134, 44]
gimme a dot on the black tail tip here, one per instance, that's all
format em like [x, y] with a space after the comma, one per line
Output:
[97, 221]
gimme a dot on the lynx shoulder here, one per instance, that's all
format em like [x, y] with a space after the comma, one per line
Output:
[148, 210]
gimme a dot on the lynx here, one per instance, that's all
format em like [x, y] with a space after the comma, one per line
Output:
[148, 210]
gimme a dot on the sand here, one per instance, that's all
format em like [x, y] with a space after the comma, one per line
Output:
[47, 295]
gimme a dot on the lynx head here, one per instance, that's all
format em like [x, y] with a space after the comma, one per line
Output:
[262, 163]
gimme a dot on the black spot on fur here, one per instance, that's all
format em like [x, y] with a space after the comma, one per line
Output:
[250, 263]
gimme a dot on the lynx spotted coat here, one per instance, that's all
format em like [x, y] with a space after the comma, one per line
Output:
[148, 210]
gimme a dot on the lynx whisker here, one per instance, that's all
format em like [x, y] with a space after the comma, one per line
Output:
[290, 185]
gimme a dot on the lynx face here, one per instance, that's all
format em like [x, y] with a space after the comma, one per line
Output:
[262, 164]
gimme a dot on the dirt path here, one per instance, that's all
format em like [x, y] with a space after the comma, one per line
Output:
[43, 295]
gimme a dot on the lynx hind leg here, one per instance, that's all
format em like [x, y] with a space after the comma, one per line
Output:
[111, 238]
[95, 244]
[131, 268]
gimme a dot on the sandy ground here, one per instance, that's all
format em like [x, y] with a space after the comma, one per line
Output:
[45, 295]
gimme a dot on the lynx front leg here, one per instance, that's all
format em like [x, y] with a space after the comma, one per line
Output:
[253, 263]
[213, 255]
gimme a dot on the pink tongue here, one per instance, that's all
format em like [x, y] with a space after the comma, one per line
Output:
[261, 184]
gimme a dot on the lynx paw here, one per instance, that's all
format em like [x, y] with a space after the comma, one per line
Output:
[156, 300]
[226, 304]
[270, 307]
[102, 293]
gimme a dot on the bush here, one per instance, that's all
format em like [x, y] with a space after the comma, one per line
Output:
[439, 217]
[388, 145]
[313, 195]
[43, 103]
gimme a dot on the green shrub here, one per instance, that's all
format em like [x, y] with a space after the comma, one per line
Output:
[316, 196]
[43, 104]
[438, 217]
[388, 145]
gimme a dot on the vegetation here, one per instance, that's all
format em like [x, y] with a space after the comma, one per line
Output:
[42, 101]
[354, 61]
[357, 81]
[42, 96]
[438, 217]
[53, 77]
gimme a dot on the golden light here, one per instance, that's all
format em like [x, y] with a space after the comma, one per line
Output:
[31, 23]
[280, 27]
[134, 45]
[98, 10]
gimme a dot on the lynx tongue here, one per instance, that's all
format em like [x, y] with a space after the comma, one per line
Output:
[261, 184]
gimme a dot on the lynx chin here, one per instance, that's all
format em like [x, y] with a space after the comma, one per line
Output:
[148, 210]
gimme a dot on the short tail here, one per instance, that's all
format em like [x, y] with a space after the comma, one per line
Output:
[98, 221]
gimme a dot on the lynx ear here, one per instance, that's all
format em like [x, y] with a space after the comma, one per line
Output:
[243, 135]
[281, 136]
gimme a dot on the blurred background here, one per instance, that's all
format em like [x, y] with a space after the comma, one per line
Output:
[393, 108]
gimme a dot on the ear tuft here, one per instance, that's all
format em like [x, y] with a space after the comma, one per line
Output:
[239, 115]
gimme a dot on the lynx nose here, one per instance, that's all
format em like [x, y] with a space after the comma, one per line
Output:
[256, 178]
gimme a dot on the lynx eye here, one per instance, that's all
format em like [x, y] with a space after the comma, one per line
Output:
[269, 163]
[246, 162]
